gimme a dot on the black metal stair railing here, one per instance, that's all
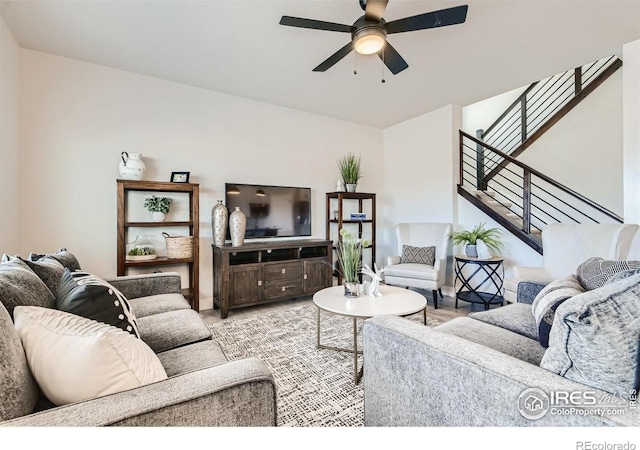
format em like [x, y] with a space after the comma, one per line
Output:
[540, 105]
[529, 199]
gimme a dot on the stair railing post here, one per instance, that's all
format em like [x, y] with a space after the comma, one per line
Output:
[480, 183]
[577, 76]
[526, 201]
[523, 118]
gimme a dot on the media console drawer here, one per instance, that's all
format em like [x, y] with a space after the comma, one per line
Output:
[282, 271]
[285, 288]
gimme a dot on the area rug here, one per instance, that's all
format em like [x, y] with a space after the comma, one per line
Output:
[315, 387]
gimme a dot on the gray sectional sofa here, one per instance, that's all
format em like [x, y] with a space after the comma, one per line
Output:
[474, 371]
[202, 388]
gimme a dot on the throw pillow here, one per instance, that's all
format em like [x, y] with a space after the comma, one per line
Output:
[595, 337]
[418, 255]
[594, 272]
[19, 285]
[49, 270]
[74, 359]
[19, 390]
[622, 275]
[67, 259]
[547, 301]
[89, 296]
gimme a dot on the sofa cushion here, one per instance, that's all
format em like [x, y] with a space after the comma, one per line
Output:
[418, 255]
[192, 357]
[515, 317]
[173, 329]
[19, 285]
[594, 272]
[419, 271]
[158, 304]
[595, 338]
[495, 337]
[89, 296]
[75, 359]
[547, 301]
[18, 388]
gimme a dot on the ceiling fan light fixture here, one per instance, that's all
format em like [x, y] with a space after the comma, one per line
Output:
[369, 40]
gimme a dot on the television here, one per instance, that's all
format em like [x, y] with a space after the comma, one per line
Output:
[272, 211]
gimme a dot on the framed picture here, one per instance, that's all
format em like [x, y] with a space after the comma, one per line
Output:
[180, 177]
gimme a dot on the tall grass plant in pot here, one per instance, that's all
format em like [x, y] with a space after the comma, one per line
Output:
[350, 171]
[350, 261]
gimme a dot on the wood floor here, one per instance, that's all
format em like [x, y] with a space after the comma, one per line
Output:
[445, 312]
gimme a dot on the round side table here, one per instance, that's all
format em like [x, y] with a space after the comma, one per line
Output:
[481, 282]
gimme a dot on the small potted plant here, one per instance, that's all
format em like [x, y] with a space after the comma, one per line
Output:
[349, 166]
[350, 261]
[489, 236]
[158, 207]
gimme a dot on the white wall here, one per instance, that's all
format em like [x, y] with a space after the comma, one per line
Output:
[9, 180]
[77, 118]
[481, 115]
[583, 151]
[631, 131]
[420, 172]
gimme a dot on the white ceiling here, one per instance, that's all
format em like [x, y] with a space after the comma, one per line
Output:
[237, 47]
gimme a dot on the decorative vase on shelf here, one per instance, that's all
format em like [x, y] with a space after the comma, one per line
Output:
[131, 166]
[157, 216]
[351, 187]
[237, 227]
[471, 250]
[351, 289]
[482, 250]
[219, 217]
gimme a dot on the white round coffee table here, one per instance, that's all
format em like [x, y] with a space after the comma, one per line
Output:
[394, 301]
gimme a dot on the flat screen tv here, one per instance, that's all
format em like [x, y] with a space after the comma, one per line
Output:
[272, 211]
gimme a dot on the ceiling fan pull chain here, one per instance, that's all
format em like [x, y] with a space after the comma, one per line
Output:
[383, 64]
[355, 65]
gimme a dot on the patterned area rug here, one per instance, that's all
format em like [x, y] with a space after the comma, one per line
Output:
[315, 387]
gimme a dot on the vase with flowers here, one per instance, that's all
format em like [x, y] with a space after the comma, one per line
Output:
[350, 261]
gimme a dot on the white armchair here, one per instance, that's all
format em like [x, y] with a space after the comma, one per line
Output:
[566, 246]
[421, 276]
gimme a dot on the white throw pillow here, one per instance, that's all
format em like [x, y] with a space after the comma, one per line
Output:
[74, 359]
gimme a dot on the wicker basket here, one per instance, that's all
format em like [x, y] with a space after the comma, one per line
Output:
[178, 247]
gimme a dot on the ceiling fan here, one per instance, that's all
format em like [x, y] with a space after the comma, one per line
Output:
[369, 32]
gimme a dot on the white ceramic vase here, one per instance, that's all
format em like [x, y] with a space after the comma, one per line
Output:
[131, 166]
[219, 217]
[351, 187]
[237, 227]
[157, 216]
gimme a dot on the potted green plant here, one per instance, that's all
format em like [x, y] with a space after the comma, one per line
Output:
[349, 166]
[158, 207]
[350, 261]
[489, 236]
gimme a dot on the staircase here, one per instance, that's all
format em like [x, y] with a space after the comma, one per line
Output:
[518, 197]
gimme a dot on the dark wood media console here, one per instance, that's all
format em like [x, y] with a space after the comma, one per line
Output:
[263, 272]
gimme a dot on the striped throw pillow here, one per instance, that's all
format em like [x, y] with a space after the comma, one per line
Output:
[547, 301]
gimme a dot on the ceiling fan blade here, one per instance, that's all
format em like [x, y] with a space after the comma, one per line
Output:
[392, 59]
[434, 19]
[374, 9]
[314, 24]
[337, 56]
